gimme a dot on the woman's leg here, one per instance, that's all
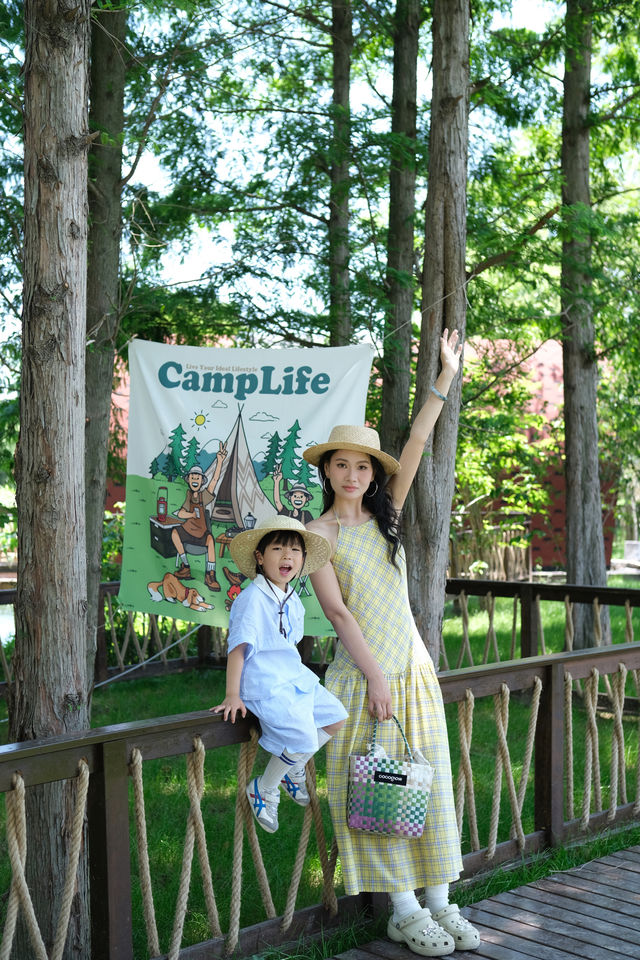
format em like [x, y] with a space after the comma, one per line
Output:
[404, 903]
[436, 897]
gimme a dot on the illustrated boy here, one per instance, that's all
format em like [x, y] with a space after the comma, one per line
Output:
[298, 496]
[195, 529]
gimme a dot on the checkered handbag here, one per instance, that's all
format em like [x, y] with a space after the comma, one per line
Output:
[388, 796]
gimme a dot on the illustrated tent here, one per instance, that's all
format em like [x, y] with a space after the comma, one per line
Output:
[238, 493]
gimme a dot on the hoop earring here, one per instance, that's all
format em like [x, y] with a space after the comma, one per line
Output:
[324, 486]
[372, 493]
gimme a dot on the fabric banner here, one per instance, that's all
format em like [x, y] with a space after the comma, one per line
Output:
[214, 446]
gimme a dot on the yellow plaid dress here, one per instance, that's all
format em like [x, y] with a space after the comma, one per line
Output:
[375, 592]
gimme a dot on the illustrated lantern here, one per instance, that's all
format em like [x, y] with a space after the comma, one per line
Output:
[161, 505]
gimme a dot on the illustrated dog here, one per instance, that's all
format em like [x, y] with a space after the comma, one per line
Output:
[175, 591]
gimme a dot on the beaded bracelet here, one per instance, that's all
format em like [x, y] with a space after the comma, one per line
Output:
[439, 395]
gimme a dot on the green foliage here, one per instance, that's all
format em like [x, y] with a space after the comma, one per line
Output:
[112, 538]
[229, 111]
[502, 454]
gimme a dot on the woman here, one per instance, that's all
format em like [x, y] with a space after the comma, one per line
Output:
[382, 668]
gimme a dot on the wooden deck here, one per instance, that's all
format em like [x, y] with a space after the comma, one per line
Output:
[592, 912]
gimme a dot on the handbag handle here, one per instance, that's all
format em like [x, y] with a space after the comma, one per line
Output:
[399, 725]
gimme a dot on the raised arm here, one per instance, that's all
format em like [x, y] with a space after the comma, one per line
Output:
[221, 456]
[425, 421]
[277, 477]
[327, 590]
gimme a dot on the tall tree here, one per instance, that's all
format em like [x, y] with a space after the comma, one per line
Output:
[339, 302]
[585, 540]
[106, 119]
[443, 305]
[49, 693]
[400, 286]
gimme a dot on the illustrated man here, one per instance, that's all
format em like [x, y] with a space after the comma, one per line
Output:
[298, 496]
[195, 529]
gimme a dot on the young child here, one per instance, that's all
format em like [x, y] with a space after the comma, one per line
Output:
[264, 671]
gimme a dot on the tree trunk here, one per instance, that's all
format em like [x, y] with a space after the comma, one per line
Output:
[585, 539]
[49, 690]
[443, 305]
[402, 187]
[339, 303]
[103, 282]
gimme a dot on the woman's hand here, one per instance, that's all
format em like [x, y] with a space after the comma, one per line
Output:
[380, 705]
[450, 350]
[232, 706]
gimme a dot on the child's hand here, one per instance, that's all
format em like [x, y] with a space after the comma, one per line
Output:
[232, 706]
[450, 351]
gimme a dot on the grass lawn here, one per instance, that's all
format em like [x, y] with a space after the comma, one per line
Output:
[553, 622]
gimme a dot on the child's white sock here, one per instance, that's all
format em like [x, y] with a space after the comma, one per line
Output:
[277, 767]
[403, 904]
[436, 897]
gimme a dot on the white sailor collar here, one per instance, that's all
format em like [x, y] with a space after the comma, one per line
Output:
[270, 588]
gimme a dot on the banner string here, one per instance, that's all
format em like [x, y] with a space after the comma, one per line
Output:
[137, 666]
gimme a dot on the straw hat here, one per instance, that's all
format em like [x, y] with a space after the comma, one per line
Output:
[243, 546]
[347, 437]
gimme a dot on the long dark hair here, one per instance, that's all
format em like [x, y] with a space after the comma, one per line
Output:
[377, 500]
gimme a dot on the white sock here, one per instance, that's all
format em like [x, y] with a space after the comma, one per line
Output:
[436, 897]
[404, 903]
[277, 767]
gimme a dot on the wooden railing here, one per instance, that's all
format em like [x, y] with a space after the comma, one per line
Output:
[208, 647]
[530, 594]
[108, 752]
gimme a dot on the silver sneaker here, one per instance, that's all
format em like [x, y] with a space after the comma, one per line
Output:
[295, 784]
[264, 805]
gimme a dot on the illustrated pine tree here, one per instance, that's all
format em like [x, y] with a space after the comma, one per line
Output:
[273, 454]
[191, 455]
[173, 466]
[289, 456]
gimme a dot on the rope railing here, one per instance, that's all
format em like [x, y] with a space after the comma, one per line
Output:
[19, 895]
[621, 748]
[511, 795]
[243, 822]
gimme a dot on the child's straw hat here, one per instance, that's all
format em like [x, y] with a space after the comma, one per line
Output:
[243, 546]
[361, 439]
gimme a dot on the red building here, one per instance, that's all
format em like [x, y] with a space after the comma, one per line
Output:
[549, 529]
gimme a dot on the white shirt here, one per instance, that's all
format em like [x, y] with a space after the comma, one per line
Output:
[270, 659]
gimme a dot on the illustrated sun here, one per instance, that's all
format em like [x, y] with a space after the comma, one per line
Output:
[199, 420]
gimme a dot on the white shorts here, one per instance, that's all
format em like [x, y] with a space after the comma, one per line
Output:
[290, 720]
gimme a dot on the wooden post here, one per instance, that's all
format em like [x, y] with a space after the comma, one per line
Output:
[549, 753]
[204, 644]
[528, 621]
[110, 865]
